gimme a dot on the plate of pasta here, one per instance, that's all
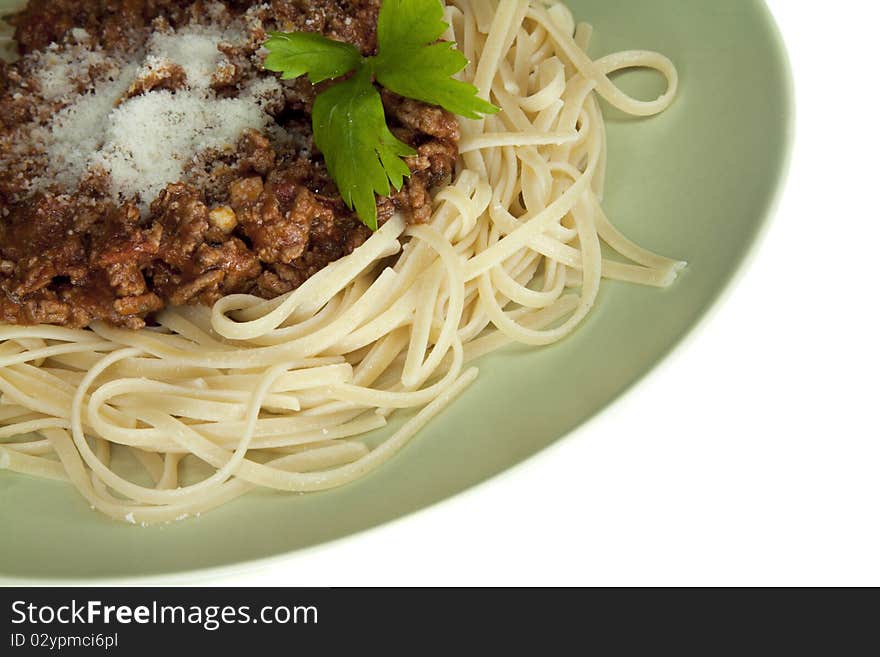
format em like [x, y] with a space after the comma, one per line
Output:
[273, 274]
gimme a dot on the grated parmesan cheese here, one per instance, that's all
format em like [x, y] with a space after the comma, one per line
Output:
[150, 138]
[59, 70]
[80, 35]
[54, 78]
[194, 48]
[144, 142]
[78, 131]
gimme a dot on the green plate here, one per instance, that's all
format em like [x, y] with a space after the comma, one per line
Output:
[697, 182]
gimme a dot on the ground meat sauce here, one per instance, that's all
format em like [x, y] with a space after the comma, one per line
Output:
[260, 218]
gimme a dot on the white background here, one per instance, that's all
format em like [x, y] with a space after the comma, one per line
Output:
[752, 456]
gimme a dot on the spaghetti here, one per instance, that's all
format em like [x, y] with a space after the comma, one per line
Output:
[281, 394]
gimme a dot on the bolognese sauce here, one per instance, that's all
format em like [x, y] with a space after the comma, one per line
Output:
[150, 161]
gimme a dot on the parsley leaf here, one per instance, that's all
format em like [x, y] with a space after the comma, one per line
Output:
[411, 64]
[426, 75]
[362, 155]
[405, 25]
[348, 118]
[298, 53]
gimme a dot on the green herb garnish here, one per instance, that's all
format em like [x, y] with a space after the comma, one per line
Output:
[348, 118]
